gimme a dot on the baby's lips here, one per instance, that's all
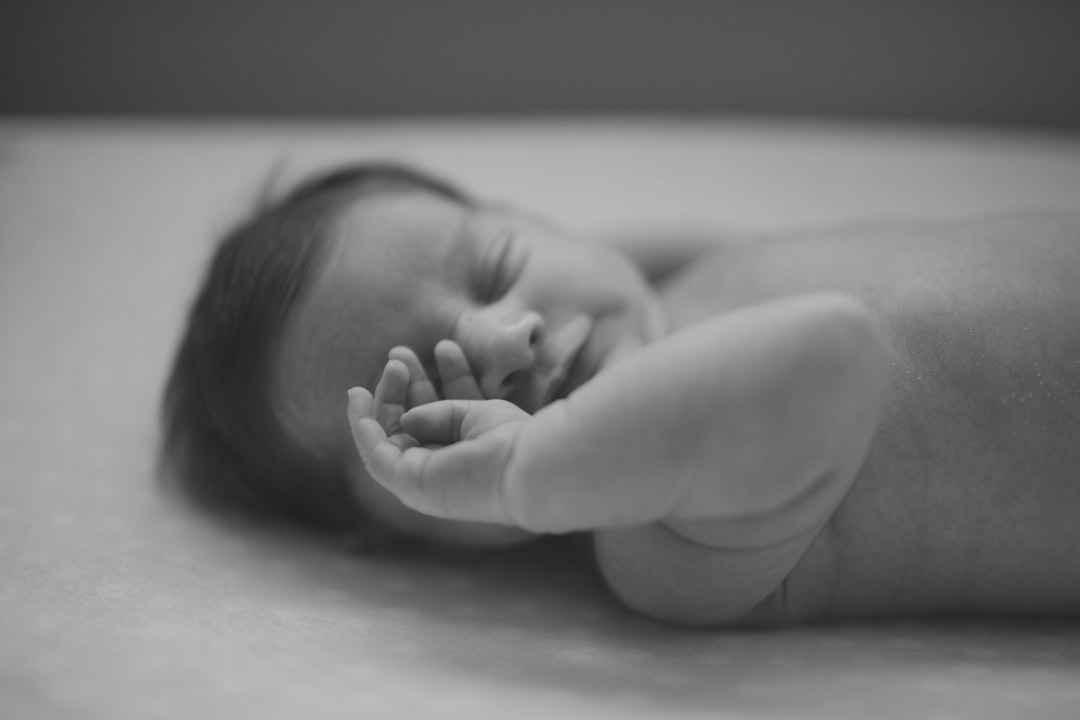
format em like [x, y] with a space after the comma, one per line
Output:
[567, 346]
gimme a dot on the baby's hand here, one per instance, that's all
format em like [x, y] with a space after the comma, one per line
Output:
[455, 374]
[446, 457]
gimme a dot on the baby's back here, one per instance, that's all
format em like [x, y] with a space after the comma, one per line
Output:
[969, 498]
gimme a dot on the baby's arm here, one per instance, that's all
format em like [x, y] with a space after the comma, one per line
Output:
[761, 412]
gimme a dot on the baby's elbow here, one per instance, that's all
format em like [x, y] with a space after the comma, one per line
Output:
[653, 573]
[855, 338]
[852, 360]
[850, 392]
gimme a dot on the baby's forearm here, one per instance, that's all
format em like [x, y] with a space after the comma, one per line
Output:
[741, 415]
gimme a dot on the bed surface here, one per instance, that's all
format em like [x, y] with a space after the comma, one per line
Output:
[117, 601]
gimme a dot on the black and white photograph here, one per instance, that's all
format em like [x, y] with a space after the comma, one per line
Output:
[418, 359]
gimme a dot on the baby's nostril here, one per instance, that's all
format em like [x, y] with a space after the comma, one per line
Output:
[510, 382]
[534, 336]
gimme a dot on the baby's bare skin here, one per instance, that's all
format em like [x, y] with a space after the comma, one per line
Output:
[969, 499]
[966, 497]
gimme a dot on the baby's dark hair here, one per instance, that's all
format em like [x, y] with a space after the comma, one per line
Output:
[222, 437]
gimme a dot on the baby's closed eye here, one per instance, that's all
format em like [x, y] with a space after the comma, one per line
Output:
[503, 261]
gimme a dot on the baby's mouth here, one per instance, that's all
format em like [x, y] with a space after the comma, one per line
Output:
[567, 351]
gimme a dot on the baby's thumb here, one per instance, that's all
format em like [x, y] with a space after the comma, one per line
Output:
[360, 404]
[368, 435]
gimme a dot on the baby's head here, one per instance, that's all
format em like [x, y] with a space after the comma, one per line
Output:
[306, 298]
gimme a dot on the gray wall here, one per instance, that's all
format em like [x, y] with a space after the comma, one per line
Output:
[994, 61]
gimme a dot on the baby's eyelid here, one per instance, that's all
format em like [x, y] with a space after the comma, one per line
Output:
[496, 281]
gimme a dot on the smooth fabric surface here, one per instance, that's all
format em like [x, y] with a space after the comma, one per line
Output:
[118, 601]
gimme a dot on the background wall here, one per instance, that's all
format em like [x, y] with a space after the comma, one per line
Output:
[989, 61]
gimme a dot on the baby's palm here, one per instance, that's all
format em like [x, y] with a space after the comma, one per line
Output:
[443, 457]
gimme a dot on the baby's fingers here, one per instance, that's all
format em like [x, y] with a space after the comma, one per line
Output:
[380, 456]
[458, 382]
[376, 448]
[389, 401]
[421, 390]
[397, 468]
[459, 481]
[450, 421]
[437, 422]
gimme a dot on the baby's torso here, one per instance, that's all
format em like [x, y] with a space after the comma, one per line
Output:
[967, 498]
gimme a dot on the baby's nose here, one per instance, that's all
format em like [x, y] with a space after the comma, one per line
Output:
[502, 350]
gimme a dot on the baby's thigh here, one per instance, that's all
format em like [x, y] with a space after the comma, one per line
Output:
[660, 573]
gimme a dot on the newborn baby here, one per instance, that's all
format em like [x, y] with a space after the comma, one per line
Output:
[870, 421]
